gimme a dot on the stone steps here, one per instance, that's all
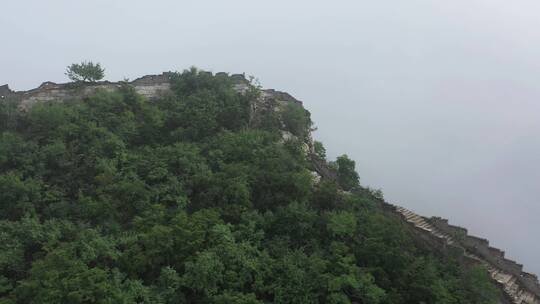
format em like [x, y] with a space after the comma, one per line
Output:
[420, 222]
[509, 283]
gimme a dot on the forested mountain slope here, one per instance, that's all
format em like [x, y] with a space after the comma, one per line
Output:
[204, 195]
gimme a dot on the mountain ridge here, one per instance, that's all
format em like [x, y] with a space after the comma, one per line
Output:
[519, 286]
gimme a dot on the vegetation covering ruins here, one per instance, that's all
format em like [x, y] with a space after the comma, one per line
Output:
[116, 199]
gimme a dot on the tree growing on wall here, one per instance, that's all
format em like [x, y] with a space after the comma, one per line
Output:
[86, 71]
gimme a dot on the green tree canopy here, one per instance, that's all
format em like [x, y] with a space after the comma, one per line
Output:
[114, 199]
[86, 71]
[347, 177]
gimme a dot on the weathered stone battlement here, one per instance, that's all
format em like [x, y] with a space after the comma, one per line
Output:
[5, 91]
[519, 287]
[494, 256]
[149, 86]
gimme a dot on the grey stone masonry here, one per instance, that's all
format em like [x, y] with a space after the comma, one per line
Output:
[519, 287]
[149, 86]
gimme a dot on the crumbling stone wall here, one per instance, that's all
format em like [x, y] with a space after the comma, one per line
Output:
[518, 287]
[150, 86]
[494, 256]
[153, 86]
[5, 91]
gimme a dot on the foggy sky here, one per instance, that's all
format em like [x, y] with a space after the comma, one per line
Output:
[437, 101]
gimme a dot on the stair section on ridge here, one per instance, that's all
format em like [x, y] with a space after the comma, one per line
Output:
[508, 282]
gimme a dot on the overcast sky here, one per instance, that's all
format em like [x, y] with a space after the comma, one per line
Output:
[437, 101]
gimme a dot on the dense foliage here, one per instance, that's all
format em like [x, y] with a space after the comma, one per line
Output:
[118, 200]
[86, 71]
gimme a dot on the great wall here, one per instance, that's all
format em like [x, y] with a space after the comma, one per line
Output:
[518, 286]
[150, 86]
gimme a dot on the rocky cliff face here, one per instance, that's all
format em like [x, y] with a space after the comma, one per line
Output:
[519, 287]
